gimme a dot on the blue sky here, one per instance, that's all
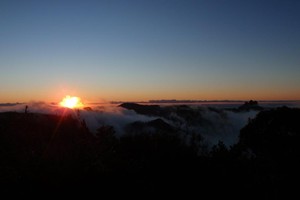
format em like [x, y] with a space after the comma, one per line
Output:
[139, 50]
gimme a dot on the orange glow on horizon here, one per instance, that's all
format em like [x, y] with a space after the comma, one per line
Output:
[71, 102]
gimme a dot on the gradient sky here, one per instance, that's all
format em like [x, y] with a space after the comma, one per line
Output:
[141, 50]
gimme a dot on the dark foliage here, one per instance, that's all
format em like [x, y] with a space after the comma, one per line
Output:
[250, 105]
[40, 152]
[273, 140]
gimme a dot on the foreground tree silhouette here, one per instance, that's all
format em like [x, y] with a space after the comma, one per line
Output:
[273, 137]
[55, 153]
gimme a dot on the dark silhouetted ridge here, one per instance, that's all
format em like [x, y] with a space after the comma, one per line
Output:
[250, 105]
[150, 110]
[42, 152]
[157, 125]
[160, 124]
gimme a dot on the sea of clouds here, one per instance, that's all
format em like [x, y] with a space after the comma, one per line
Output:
[219, 126]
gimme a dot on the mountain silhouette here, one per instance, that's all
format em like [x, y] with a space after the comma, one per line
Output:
[157, 125]
[42, 152]
[250, 105]
[150, 110]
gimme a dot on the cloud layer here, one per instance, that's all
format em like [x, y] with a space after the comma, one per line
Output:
[212, 124]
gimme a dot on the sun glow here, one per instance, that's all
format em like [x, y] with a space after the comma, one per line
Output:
[71, 102]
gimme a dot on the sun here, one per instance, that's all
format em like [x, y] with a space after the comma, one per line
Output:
[71, 102]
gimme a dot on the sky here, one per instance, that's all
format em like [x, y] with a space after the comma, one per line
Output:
[141, 50]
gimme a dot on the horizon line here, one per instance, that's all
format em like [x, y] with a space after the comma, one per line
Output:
[160, 101]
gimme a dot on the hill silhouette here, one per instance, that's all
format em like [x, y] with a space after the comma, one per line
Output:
[151, 110]
[250, 105]
[157, 125]
[41, 152]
